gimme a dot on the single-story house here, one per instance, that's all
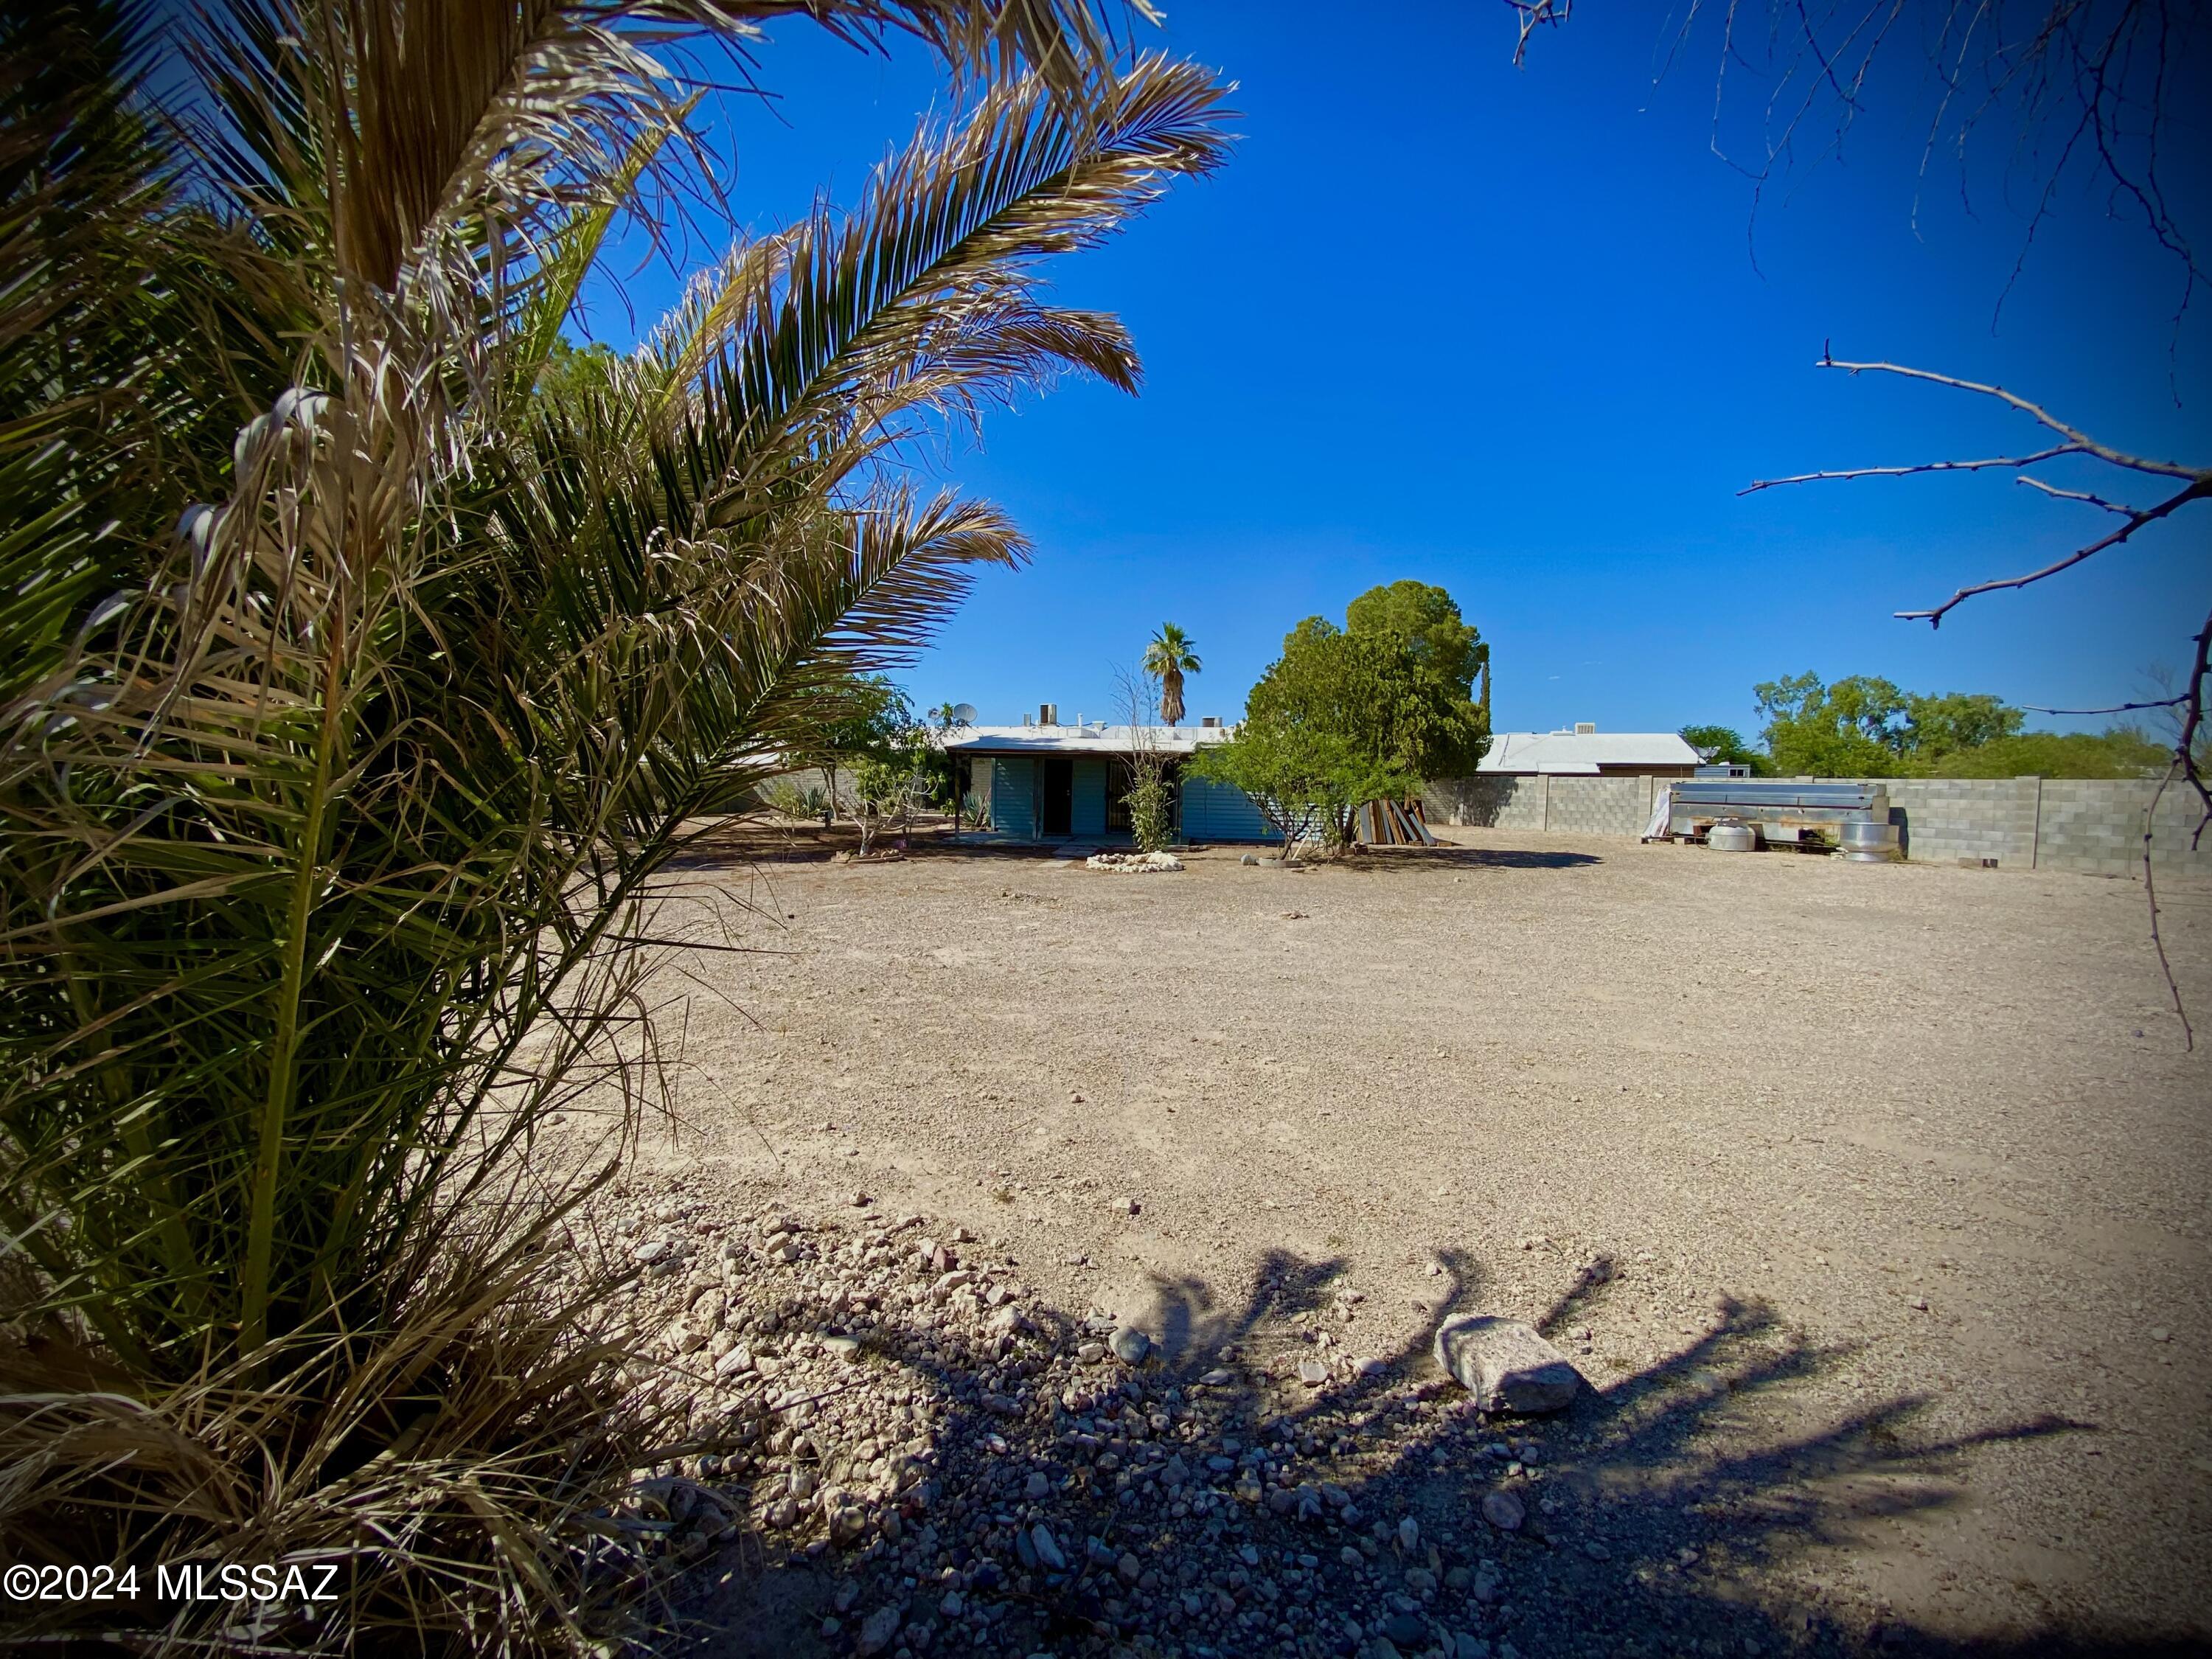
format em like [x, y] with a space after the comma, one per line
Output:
[1043, 780]
[1585, 751]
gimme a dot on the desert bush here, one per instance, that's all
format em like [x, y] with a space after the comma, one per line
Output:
[365, 654]
[1151, 814]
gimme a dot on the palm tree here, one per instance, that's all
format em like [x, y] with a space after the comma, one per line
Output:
[364, 656]
[1167, 659]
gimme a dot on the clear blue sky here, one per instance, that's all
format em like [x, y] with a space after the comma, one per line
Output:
[1502, 330]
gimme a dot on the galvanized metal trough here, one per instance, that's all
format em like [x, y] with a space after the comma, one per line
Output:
[1852, 818]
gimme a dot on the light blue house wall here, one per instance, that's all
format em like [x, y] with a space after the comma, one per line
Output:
[1221, 811]
[1007, 785]
[1088, 808]
[1013, 797]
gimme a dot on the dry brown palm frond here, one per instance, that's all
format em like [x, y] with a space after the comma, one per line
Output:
[448, 1476]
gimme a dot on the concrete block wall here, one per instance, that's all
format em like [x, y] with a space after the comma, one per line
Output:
[1493, 803]
[2099, 827]
[1942, 820]
[2091, 826]
[1600, 806]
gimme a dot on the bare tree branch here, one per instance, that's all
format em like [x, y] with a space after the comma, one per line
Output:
[1754, 486]
[2089, 87]
[2078, 496]
[1532, 13]
[2115, 708]
[1934, 616]
[2190, 700]
[2078, 442]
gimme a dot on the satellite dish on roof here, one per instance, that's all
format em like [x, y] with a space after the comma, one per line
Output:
[965, 713]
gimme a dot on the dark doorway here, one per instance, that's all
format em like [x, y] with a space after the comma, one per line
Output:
[1117, 799]
[1055, 796]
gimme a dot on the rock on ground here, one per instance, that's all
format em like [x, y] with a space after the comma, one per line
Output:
[1506, 1366]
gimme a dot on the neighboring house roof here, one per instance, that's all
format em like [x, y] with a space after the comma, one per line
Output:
[1098, 738]
[1569, 753]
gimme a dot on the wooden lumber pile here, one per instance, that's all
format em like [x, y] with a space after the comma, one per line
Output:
[1392, 823]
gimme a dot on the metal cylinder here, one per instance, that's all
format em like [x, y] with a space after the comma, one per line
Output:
[1864, 841]
[1729, 836]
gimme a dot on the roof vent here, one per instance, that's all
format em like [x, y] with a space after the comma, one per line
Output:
[1585, 728]
[1047, 713]
[1211, 720]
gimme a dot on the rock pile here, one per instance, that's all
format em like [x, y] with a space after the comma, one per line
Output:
[1133, 864]
[900, 1409]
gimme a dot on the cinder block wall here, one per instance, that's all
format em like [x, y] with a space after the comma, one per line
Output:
[1600, 806]
[1493, 803]
[2099, 827]
[2091, 826]
[1942, 820]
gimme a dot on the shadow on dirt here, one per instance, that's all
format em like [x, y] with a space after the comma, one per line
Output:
[1211, 1503]
[757, 838]
[1446, 857]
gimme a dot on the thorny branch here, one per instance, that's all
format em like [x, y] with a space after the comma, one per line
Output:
[2089, 87]
[2196, 486]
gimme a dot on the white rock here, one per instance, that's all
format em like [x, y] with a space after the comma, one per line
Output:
[1048, 1548]
[878, 1627]
[1130, 1345]
[1506, 1365]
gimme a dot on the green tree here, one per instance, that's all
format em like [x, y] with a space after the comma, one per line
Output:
[1427, 618]
[1863, 727]
[2120, 751]
[1341, 719]
[1308, 782]
[1375, 691]
[1167, 659]
[1959, 721]
[860, 717]
[1723, 746]
[1855, 728]
[360, 682]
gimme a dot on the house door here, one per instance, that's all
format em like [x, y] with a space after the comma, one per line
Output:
[1055, 796]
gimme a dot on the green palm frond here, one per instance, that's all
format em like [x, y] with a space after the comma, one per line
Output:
[362, 677]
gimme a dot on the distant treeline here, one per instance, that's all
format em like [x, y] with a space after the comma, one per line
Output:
[1866, 727]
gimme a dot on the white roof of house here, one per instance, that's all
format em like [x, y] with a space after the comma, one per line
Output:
[1568, 753]
[1097, 738]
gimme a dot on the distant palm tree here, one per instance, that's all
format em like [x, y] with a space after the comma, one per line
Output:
[1167, 659]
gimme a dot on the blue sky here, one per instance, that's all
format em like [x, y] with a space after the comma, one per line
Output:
[1502, 330]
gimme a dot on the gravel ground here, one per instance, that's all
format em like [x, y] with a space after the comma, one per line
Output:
[1870, 1199]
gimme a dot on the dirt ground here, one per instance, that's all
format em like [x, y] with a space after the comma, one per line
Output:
[1881, 1191]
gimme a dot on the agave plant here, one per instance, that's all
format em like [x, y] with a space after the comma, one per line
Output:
[367, 656]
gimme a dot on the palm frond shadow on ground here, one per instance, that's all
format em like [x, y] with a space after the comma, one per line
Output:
[1658, 1520]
